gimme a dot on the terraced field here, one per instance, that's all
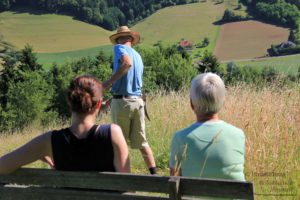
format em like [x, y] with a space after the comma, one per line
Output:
[248, 39]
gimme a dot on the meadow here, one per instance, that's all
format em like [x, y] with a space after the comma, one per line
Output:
[192, 22]
[269, 116]
[286, 64]
[47, 59]
[248, 39]
[50, 32]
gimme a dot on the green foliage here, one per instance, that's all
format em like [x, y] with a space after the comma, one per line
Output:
[280, 13]
[278, 51]
[108, 13]
[166, 68]
[28, 100]
[235, 74]
[269, 74]
[209, 63]
[25, 94]
[205, 42]
[28, 60]
[230, 16]
[60, 77]
[295, 34]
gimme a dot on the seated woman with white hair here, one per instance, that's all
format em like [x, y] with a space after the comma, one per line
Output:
[210, 147]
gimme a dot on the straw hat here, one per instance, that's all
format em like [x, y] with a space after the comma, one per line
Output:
[125, 31]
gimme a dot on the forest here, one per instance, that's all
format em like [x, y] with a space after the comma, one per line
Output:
[108, 14]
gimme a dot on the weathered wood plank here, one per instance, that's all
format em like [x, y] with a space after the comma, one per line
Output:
[35, 193]
[174, 185]
[217, 188]
[90, 180]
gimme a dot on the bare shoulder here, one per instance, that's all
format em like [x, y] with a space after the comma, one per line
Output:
[44, 137]
[116, 134]
[115, 129]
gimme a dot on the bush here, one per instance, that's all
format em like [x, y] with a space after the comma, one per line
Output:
[209, 63]
[235, 74]
[28, 101]
[230, 16]
[166, 68]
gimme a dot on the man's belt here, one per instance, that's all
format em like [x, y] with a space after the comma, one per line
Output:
[135, 97]
[126, 97]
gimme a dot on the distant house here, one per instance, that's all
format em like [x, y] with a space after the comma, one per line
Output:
[286, 44]
[186, 45]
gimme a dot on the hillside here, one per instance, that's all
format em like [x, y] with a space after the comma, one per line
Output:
[49, 32]
[47, 59]
[285, 64]
[192, 22]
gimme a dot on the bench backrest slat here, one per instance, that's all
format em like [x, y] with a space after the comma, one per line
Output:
[88, 180]
[217, 188]
[35, 193]
[176, 187]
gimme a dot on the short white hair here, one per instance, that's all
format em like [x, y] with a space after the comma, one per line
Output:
[207, 94]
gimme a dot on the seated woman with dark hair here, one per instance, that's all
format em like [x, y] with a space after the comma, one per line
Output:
[210, 147]
[83, 146]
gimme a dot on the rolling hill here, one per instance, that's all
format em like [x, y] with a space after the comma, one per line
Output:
[192, 22]
[49, 32]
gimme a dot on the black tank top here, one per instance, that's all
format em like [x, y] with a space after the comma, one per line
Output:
[93, 153]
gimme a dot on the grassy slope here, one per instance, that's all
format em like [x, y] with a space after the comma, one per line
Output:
[47, 59]
[287, 64]
[192, 22]
[49, 32]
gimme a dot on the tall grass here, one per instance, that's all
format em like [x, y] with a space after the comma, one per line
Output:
[270, 118]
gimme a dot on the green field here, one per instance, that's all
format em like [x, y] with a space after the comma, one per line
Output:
[287, 64]
[192, 22]
[49, 32]
[47, 59]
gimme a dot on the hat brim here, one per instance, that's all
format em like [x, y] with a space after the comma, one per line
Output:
[134, 35]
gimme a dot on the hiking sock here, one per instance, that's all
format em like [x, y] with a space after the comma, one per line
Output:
[152, 170]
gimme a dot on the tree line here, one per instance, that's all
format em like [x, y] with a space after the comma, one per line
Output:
[282, 12]
[106, 13]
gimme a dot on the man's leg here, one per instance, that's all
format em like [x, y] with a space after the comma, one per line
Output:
[138, 136]
[148, 158]
[120, 116]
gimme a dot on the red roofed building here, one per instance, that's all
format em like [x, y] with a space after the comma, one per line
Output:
[185, 44]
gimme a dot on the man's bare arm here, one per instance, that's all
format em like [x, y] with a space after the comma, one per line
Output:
[123, 69]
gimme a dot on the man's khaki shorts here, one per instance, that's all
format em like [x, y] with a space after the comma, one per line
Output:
[130, 116]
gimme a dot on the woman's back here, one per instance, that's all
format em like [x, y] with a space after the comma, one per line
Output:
[93, 153]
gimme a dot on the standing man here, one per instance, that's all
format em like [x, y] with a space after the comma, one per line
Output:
[127, 106]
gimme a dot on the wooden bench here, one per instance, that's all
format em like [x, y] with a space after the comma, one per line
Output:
[45, 184]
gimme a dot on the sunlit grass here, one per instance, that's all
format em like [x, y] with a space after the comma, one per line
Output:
[270, 118]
